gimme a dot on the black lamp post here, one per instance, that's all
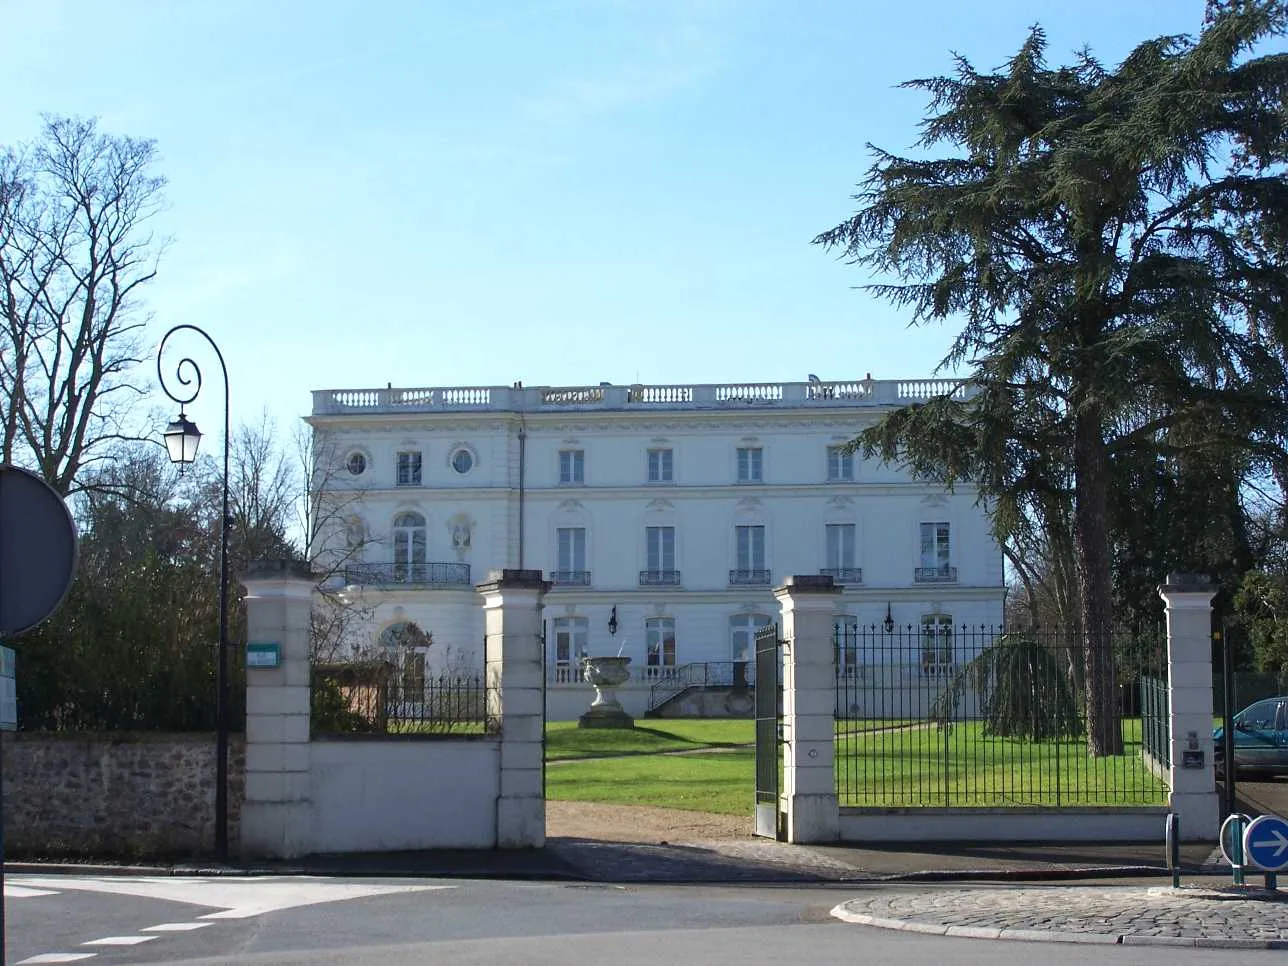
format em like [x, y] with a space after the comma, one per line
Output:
[888, 623]
[612, 621]
[181, 440]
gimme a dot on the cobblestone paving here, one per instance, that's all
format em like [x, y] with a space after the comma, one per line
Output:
[1108, 914]
[723, 861]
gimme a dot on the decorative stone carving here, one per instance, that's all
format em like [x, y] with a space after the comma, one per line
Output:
[461, 527]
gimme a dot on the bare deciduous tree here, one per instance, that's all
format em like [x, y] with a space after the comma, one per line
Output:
[336, 537]
[75, 251]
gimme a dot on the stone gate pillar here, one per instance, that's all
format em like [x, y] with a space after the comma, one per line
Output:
[1189, 685]
[809, 708]
[512, 601]
[277, 814]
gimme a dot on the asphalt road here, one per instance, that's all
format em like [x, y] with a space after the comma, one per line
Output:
[339, 922]
[1265, 795]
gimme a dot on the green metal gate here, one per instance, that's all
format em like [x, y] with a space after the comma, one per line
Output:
[768, 727]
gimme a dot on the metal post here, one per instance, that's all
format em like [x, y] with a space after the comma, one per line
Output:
[1227, 723]
[187, 372]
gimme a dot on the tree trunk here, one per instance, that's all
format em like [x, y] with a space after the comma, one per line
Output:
[1091, 538]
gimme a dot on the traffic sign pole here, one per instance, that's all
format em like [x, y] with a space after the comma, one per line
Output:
[1230, 839]
[1172, 838]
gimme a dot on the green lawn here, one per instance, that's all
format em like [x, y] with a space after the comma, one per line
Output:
[877, 765]
[702, 783]
[565, 740]
[962, 767]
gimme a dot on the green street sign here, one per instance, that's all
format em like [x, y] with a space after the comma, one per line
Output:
[263, 655]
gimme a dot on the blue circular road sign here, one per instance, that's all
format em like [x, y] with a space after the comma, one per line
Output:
[1265, 843]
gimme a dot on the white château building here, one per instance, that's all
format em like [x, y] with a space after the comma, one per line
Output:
[662, 515]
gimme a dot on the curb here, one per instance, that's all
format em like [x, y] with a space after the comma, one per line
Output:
[569, 871]
[1034, 874]
[1053, 935]
[327, 871]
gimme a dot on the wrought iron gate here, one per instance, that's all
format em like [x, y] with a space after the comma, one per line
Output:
[768, 748]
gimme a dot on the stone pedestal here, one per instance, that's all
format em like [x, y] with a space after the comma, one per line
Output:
[606, 674]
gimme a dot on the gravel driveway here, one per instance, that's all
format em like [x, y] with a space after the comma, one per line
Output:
[638, 823]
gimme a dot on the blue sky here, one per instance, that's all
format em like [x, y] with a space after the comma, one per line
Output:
[561, 192]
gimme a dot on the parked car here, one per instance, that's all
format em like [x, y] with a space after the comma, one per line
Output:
[1260, 738]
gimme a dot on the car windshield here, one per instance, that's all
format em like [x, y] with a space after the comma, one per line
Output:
[1258, 717]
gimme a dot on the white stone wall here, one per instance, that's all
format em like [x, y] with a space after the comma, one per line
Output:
[615, 504]
[386, 796]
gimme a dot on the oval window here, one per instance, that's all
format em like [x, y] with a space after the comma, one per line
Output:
[462, 461]
[356, 464]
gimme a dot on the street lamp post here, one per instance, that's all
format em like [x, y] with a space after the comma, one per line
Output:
[181, 440]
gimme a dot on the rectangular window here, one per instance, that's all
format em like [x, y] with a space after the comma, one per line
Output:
[840, 464]
[934, 546]
[660, 542]
[660, 466]
[572, 550]
[751, 548]
[571, 635]
[572, 466]
[409, 468]
[750, 464]
[845, 635]
[659, 641]
[936, 644]
[841, 548]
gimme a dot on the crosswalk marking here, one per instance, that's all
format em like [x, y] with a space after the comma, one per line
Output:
[176, 927]
[55, 958]
[236, 897]
[119, 941]
[22, 892]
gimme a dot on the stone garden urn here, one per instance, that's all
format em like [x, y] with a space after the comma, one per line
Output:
[606, 674]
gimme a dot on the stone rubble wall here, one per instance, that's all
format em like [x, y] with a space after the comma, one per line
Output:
[129, 795]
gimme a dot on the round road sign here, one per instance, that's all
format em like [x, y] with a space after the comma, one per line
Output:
[1265, 843]
[37, 550]
[1231, 832]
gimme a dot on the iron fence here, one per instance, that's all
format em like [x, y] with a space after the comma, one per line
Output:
[379, 698]
[955, 715]
[408, 573]
[1154, 720]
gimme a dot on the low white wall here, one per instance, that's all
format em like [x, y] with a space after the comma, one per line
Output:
[384, 795]
[1142, 824]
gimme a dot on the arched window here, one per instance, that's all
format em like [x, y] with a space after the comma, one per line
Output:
[742, 635]
[405, 646]
[409, 547]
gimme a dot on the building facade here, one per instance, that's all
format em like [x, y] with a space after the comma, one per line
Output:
[662, 515]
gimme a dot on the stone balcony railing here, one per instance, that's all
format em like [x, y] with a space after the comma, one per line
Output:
[638, 398]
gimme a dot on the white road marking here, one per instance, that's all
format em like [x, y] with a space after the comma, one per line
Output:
[55, 958]
[21, 892]
[177, 927]
[238, 897]
[119, 941]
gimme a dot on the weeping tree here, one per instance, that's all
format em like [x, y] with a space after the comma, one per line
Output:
[1023, 689]
[1112, 242]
